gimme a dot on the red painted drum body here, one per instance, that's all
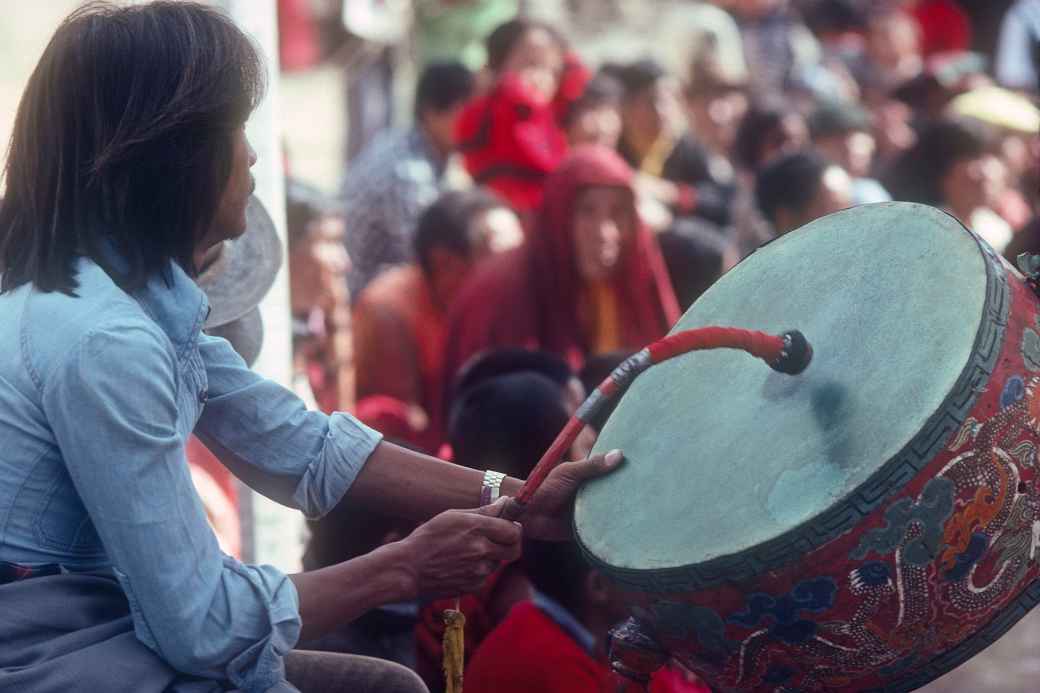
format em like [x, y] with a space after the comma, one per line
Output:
[867, 526]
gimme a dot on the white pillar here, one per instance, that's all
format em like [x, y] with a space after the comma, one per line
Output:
[273, 534]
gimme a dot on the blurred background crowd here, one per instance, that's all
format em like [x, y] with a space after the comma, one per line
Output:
[511, 197]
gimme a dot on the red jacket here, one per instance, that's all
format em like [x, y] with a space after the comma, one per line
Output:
[510, 140]
[529, 652]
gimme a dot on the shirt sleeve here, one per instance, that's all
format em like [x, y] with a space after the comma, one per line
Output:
[268, 438]
[1016, 49]
[112, 404]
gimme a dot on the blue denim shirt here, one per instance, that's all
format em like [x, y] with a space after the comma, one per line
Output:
[98, 394]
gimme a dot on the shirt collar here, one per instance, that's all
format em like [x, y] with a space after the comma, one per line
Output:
[176, 304]
[566, 621]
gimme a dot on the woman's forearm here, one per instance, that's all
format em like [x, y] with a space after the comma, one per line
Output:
[340, 593]
[407, 484]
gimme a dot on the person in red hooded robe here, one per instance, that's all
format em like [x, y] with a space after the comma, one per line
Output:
[589, 279]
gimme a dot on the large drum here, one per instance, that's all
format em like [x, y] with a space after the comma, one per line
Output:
[867, 525]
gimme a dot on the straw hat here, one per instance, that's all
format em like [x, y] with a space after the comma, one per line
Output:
[236, 276]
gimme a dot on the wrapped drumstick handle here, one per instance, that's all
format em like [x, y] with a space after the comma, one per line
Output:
[787, 353]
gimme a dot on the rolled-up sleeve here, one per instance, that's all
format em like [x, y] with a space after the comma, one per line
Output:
[112, 405]
[267, 437]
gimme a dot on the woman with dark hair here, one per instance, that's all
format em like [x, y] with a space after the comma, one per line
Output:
[589, 280]
[128, 162]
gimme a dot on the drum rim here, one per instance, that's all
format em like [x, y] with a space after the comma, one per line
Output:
[879, 488]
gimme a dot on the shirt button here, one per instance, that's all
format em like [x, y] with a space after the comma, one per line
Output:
[203, 396]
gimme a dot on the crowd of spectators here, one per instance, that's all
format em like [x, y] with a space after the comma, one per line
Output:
[601, 201]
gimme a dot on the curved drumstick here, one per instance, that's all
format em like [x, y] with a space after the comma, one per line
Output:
[788, 353]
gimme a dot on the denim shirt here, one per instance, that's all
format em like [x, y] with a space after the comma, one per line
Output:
[98, 394]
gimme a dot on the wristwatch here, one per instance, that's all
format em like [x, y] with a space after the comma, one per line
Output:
[491, 488]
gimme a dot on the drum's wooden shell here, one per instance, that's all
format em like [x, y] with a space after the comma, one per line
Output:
[941, 558]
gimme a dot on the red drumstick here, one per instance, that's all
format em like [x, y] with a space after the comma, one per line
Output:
[788, 353]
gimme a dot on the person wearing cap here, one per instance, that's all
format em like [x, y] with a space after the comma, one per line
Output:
[843, 133]
[128, 162]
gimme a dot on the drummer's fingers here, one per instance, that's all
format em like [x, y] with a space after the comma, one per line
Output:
[595, 466]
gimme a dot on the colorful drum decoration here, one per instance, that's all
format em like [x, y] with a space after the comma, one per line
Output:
[867, 525]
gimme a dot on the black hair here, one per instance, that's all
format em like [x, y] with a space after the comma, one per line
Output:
[918, 174]
[836, 16]
[558, 570]
[694, 251]
[762, 120]
[603, 90]
[505, 360]
[789, 181]
[123, 142]
[442, 86]
[447, 223]
[501, 42]
[638, 76]
[507, 422]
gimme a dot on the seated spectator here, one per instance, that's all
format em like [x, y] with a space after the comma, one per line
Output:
[671, 166]
[778, 46]
[557, 641]
[843, 133]
[323, 367]
[400, 173]
[595, 117]
[800, 187]
[955, 166]
[716, 101]
[505, 421]
[770, 127]
[696, 255]
[510, 137]
[399, 319]
[893, 51]
[1015, 120]
[508, 360]
[590, 278]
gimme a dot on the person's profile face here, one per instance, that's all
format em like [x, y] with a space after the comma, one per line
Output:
[230, 219]
[604, 224]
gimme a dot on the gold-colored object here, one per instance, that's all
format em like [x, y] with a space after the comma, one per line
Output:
[454, 648]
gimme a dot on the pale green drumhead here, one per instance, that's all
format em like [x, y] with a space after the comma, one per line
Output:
[724, 454]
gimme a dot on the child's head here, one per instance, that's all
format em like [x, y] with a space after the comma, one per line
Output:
[530, 49]
[595, 118]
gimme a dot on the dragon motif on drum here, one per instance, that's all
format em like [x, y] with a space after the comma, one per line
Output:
[971, 533]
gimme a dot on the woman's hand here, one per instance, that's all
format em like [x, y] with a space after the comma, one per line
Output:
[456, 551]
[548, 516]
